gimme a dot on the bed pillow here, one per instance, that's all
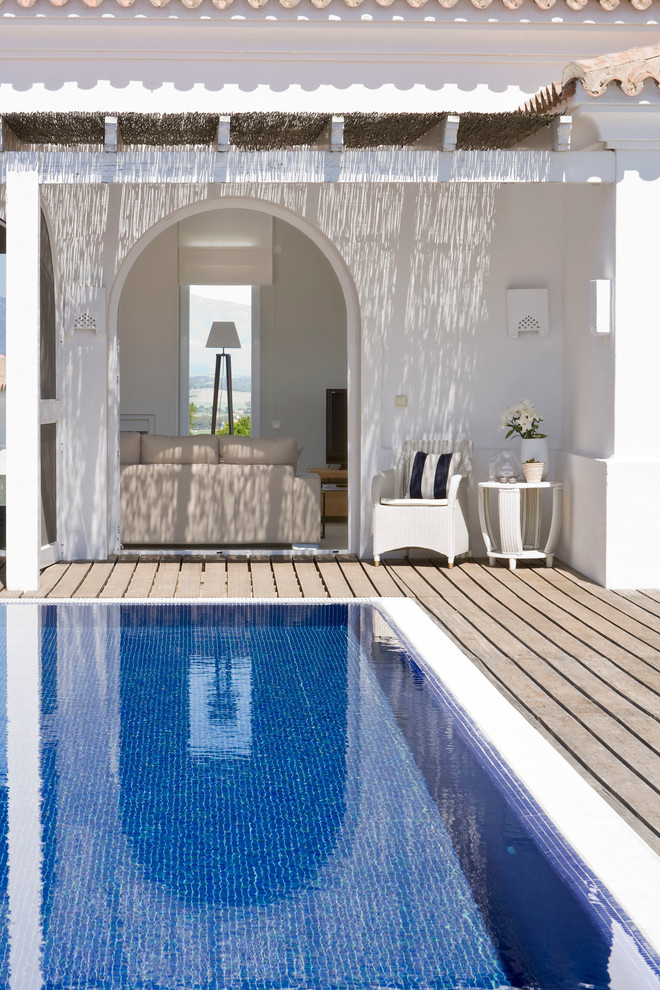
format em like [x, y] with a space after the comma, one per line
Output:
[429, 474]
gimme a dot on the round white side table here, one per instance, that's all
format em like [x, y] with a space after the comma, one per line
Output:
[519, 509]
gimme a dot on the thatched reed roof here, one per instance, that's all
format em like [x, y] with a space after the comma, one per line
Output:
[268, 131]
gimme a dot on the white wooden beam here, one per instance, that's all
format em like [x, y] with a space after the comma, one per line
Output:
[560, 130]
[315, 165]
[449, 132]
[23, 408]
[8, 140]
[337, 134]
[223, 139]
[112, 142]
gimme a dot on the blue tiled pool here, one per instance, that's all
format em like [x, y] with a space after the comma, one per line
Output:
[265, 797]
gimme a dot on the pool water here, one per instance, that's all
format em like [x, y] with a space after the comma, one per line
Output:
[267, 797]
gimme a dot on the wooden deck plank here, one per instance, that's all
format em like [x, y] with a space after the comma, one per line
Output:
[95, 580]
[651, 593]
[630, 793]
[70, 580]
[411, 579]
[633, 680]
[47, 580]
[142, 580]
[239, 583]
[627, 652]
[118, 581]
[165, 579]
[627, 602]
[215, 580]
[334, 581]
[612, 691]
[643, 601]
[263, 583]
[382, 580]
[584, 624]
[286, 581]
[309, 579]
[603, 606]
[190, 579]
[356, 578]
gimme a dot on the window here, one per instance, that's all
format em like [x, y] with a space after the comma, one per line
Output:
[208, 303]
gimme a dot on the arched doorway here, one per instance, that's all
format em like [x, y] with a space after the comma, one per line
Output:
[297, 313]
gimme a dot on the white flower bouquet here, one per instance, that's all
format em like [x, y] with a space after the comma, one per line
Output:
[522, 419]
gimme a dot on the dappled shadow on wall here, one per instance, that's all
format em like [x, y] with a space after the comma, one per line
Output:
[419, 255]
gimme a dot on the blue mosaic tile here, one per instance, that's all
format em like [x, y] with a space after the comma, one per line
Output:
[267, 797]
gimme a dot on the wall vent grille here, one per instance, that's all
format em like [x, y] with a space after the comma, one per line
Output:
[85, 322]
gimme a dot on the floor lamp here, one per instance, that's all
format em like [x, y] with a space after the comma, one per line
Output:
[223, 335]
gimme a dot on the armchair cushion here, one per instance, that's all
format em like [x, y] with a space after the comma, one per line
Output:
[414, 501]
[429, 474]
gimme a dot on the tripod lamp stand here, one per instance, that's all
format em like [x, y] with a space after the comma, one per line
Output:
[223, 335]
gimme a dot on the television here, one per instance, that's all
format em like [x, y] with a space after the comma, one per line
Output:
[336, 426]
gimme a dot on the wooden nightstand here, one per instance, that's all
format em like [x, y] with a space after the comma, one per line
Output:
[334, 494]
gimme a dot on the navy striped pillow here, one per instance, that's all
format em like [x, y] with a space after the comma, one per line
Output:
[430, 474]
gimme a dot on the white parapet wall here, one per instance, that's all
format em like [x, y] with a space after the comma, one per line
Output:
[583, 543]
[633, 524]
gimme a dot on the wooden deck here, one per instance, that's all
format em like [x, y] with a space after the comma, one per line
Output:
[582, 663]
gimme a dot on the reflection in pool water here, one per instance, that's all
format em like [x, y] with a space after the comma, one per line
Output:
[262, 797]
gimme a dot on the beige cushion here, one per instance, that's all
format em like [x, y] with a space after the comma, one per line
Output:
[201, 449]
[129, 447]
[210, 504]
[258, 450]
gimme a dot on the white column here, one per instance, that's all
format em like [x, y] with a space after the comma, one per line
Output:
[23, 412]
[637, 341]
[633, 473]
[24, 804]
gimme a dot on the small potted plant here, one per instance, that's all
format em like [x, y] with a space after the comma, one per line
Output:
[523, 420]
[533, 470]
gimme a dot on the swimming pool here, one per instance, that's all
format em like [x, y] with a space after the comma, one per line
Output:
[267, 797]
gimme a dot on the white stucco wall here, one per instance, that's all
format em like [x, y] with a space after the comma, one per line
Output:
[149, 335]
[588, 379]
[302, 343]
[431, 266]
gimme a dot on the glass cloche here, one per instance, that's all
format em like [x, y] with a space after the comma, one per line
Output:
[504, 466]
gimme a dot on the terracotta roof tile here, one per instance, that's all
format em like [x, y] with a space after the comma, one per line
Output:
[629, 70]
[289, 4]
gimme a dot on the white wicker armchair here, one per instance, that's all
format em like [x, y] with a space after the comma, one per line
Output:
[432, 524]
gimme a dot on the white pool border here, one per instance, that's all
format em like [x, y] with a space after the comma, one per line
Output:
[608, 846]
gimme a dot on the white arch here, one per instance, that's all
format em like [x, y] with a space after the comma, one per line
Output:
[351, 301]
